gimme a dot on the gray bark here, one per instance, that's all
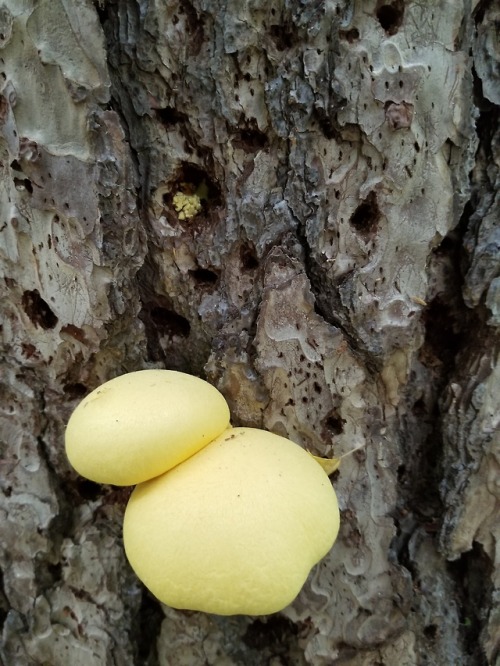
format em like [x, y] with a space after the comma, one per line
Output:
[340, 285]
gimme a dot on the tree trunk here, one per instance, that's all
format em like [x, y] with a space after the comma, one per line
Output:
[336, 275]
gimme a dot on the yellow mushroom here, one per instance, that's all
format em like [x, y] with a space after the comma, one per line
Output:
[141, 424]
[224, 520]
[236, 528]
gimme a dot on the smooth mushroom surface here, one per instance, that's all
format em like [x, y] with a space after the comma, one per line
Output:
[141, 424]
[234, 529]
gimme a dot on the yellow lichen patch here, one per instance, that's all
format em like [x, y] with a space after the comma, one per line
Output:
[186, 205]
[187, 202]
[394, 375]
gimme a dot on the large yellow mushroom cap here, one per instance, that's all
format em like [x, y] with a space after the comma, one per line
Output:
[234, 529]
[141, 424]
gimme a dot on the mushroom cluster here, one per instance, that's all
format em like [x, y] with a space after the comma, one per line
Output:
[223, 520]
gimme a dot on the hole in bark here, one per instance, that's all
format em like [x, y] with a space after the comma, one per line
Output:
[473, 573]
[250, 139]
[88, 490]
[333, 423]
[38, 310]
[169, 322]
[170, 116]
[55, 571]
[23, 183]
[447, 245]
[46, 574]
[149, 621]
[398, 115]
[102, 12]
[76, 390]
[351, 35]
[430, 631]
[15, 165]
[195, 177]
[283, 36]
[443, 338]
[480, 11]
[194, 25]
[248, 257]
[29, 350]
[450, 152]
[390, 16]
[366, 216]
[204, 276]
[419, 408]
[74, 332]
[274, 633]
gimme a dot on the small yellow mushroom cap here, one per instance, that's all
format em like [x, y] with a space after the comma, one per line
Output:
[141, 424]
[236, 528]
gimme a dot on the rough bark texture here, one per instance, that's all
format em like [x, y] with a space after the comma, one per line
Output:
[340, 285]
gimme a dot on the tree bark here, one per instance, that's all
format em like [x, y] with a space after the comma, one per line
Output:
[339, 282]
